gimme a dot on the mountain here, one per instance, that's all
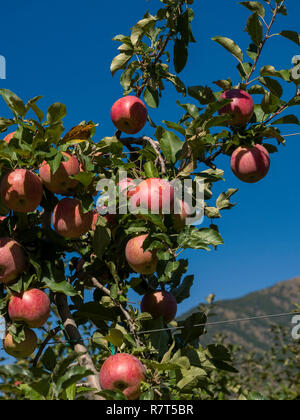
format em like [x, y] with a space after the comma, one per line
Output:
[254, 335]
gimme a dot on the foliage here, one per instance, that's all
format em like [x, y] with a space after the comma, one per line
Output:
[153, 54]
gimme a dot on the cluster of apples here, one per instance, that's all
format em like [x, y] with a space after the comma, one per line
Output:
[22, 191]
[249, 164]
[32, 308]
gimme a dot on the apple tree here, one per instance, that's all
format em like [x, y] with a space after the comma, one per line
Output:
[59, 256]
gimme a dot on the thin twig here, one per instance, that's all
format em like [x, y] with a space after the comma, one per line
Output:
[50, 335]
[130, 321]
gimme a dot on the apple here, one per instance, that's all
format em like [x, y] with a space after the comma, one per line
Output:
[123, 372]
[69, 220]
[154, 195]
[180, 219]
[10, 136]
[129, 114]
[21, 350]
[241, 108]
[31, 307]
[160, 304]
[250, 164]
[21, 191]
[60, 182]
[12, 260]
[140, 261]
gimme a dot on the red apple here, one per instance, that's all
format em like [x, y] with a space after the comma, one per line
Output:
[123, 372]
[60, 182]
[69, 220]
[10, 136]
[21, 191]
[12, 260]
[140, 261]
[129, 114]
[250, 164]
[154, 195]
[31, 307]
[20, 350]
[180, 219]
[241, 108]
[160, 304]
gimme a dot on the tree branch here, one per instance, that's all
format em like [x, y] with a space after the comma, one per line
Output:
[267, 36]
[84, 359]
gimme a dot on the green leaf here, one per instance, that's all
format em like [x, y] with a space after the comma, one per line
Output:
[182, 292]
[191, 379]
[199, 239]
[114, 291]
[115, 337]
[252, 51]
[151, 97]
[5, 123]
[159, 339]
[194, 327]
[171, 146]
[203, 94]
[272, 85]
[230, 46]
[120, 61]
[56, 113]
[292, 36]
[271, 71]
[102, 238]
[288, 119]
[223, 202]
[257, 90]
[16, 105]
[255, 396]
[175, 126]
[73, 375]
[70, 392]
[60, 287]
[270, 103]
[254, 28]
[49, 359]
[141, 28]
[147, 396]
[180, 55]
[150, 170]
[85, 178]
[30, 393]
[255, 6]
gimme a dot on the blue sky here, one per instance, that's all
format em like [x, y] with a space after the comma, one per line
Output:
[64, 53]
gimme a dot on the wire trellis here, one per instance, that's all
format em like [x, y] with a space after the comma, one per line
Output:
[207, 324]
